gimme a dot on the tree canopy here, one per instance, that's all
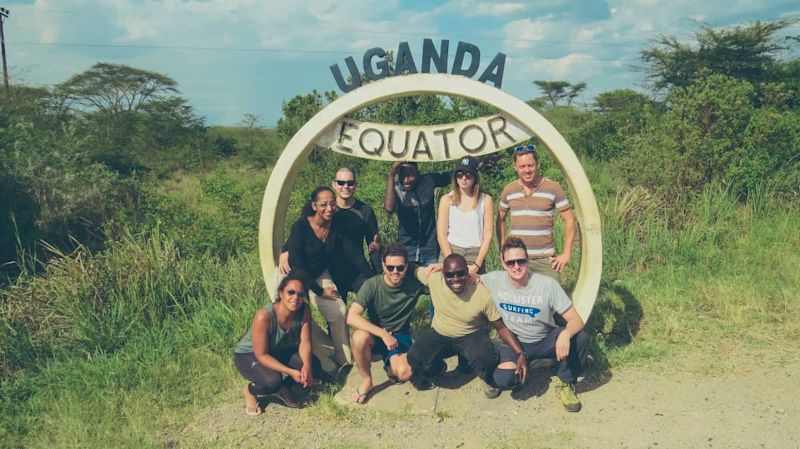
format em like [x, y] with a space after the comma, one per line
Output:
[747, 52]
[556, 91]
[114, 88]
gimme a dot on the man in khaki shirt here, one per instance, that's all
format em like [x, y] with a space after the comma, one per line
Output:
[458, 327]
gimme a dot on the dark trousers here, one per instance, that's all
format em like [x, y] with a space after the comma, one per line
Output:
[568, 369]
[429, 350]
[265, 381]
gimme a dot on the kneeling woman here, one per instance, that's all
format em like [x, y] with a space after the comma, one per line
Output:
[278, 344]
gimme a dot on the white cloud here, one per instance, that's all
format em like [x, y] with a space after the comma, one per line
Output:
[478, 8]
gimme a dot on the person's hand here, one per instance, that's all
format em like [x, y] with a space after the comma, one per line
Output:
[562, 345]
[473, 268]
[388, 340]
[473, 278]
[375, 244]
[433, 268]
[283, 263]
[395, 165]
[522, 367]
[559, 262]
[297, 376]
[306, 375]
[331, 293]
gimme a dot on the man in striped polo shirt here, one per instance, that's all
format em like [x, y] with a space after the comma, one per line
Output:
[532, 201]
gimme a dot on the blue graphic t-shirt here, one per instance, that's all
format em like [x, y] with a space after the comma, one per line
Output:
[527, 311]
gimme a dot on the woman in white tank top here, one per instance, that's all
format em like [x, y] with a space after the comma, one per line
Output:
[464, 223]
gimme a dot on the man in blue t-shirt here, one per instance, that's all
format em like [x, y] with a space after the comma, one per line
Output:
[412, 196]
[527, 302]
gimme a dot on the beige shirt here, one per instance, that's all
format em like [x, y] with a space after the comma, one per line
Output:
[458, 315]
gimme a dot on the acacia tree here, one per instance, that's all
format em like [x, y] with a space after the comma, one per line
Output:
[556, 91]
[113, 88]
[746, 52]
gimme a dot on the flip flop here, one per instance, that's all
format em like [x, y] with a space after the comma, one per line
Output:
[361, 398]
[251, 403]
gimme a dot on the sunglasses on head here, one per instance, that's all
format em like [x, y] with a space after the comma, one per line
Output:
[522, 149]
[455, 274]
[348, 183]
[399, 268]
[461, 174]
[520, 262]
[292, 291]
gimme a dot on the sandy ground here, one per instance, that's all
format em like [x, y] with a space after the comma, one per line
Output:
[653, 407]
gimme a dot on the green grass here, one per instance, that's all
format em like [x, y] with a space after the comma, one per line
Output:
[124, 347]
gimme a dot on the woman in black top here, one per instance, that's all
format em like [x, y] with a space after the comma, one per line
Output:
[330, 265]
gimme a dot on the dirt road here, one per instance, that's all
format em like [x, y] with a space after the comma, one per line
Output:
[653, 407]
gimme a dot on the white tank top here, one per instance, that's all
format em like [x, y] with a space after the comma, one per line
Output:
[465, 229]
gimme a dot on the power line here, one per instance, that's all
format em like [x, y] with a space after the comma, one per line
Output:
[269, 50]
[382, 33]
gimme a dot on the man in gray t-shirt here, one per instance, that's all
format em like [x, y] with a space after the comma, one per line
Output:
[527, 302]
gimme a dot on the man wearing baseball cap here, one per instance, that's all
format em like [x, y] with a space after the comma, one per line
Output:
[412, 196]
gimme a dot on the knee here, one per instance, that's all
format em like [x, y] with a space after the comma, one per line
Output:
[505, 378]
[268, 385]
[403, 372]
[361, 339]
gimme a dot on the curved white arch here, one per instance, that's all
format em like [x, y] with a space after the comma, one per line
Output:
[279, 187]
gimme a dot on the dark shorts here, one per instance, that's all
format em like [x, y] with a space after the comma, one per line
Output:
[403, 343]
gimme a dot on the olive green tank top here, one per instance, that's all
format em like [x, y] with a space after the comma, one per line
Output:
[278, 339]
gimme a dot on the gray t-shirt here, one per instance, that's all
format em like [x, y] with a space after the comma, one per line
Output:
[527, 311]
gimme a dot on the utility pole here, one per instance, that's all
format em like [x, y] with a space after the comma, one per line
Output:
[3, 16]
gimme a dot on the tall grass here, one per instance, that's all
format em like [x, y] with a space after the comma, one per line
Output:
[119, 348]
[104, 348]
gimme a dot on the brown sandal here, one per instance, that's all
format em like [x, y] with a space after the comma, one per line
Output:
[251, 402]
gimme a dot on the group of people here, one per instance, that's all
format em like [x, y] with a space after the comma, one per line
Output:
[441, 254]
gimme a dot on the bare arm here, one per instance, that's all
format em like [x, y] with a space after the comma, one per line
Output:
[560, 261]
[574, 325]
[488, 230]
[511, 340]
[356, 319]
[305, 348]
[261, 327]
[390, 197]
[501, 229]
[443, 225]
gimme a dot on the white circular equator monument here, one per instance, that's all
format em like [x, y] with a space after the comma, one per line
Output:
[278, 191]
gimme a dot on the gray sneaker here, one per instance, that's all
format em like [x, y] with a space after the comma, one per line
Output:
[491, 392]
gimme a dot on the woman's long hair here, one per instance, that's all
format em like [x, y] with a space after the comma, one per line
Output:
[308, 210]
[457, 189]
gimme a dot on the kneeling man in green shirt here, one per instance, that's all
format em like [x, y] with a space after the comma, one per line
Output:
[458, 327]
[389, 299]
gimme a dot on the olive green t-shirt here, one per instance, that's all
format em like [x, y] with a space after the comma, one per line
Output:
[459, 315]
[387, 307]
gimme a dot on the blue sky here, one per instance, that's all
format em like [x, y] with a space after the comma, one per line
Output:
[232, 57]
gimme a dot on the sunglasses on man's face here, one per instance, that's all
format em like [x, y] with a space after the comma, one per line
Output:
[520, 262]
[292, 292]
[522, 149]
[399, 268]
[348, 183]
[455, 274]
